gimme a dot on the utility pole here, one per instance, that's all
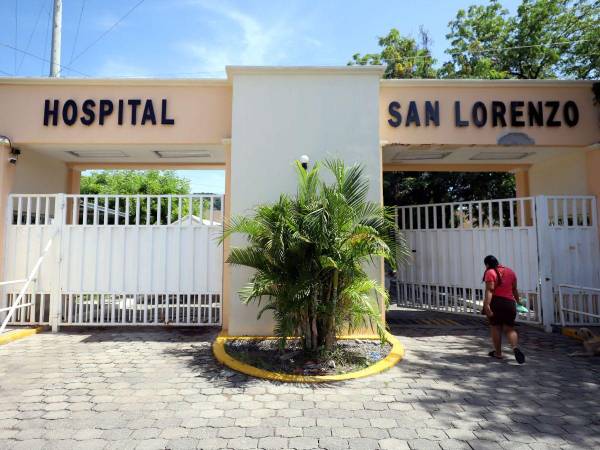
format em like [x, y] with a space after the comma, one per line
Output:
[56, 38]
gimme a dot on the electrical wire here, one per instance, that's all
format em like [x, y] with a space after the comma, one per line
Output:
[42, 59]
[46, 37]
[77, 31]
[37, 20]
[16, 31]
[499, 49]
[108, 30]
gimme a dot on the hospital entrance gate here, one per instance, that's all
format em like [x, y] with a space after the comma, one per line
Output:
[549, 241]
[107, 260]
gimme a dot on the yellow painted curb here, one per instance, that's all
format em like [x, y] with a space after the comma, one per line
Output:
[570, 332]
[395, 355]
[15, 335]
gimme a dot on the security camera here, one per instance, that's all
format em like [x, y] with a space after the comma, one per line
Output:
[14, 155]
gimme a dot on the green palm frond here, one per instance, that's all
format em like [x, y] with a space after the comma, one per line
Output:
[309, 254]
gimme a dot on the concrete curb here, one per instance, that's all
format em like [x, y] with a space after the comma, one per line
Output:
[15, 335]
[395, 355]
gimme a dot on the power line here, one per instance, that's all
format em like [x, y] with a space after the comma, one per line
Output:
[42, 59]
[47, 32]
[16, 31]
[499, 49]
[37, 20]
[6, 73]
[77, 32]
[108, 30]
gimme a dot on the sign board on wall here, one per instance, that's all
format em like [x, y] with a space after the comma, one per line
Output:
[89, 112]
[550, 113]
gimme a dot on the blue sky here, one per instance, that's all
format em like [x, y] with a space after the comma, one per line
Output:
[198, 38]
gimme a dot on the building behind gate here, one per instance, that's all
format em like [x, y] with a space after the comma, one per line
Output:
[106, 260]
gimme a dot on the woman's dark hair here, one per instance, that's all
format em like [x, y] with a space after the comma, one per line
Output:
[492, 264]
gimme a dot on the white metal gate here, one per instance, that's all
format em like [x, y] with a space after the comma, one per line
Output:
[117, 260]
[547, 240]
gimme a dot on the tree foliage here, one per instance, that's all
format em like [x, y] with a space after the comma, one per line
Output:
[309, 253]
[404, 57]
[151, 182]
[544, 39]
[416, 188]
[134, 182]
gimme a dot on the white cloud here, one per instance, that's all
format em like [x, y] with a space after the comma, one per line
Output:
[248, 42]
[119, 68]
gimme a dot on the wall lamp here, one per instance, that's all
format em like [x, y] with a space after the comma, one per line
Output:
[304, 160]
[14, 152]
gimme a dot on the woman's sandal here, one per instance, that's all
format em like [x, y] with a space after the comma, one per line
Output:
[493, 355]
[519, 356]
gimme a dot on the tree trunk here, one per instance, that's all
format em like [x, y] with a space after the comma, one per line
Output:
[330, 338]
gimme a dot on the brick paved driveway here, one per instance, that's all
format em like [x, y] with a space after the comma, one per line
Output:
[162, 389]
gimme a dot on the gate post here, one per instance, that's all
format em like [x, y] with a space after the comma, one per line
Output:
[55, 295]
[544, 255]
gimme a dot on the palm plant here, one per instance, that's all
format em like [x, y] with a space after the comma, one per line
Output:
[310, 253]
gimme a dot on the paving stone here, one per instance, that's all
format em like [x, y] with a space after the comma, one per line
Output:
[231, 432]
[151, 444]
[271, 442]
[374, 433]
[423, 444]
[243, 443]
[303, 443]
[162, 389]
[288, 432]
[454, 444]
[393, 444]
[363, 443]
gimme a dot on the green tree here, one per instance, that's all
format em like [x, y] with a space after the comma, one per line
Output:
[150, 182]
[404, 57]
[415, 188]
[309, 253]
[142, 182]
[583, 59]
[544, 39]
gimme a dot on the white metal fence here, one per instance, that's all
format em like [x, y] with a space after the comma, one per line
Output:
[578, 305]
[546, 240]
[118, 260]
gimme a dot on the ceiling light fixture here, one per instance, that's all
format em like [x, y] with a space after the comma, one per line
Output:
[98, 154]
[489, 156]
[183, 153]
[418, 155]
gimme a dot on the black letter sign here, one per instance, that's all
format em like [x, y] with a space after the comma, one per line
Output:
[457, 120]
[393, 109]
[571, 113]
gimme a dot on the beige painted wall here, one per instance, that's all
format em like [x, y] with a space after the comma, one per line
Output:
[470, 91]
[201, 109]
[37, 173]
[277, 117]
[560, 176]
[7, 176]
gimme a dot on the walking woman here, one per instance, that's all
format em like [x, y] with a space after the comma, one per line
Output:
[500, 306]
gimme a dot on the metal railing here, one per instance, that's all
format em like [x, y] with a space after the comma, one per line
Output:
[578, 305]
[103, 210]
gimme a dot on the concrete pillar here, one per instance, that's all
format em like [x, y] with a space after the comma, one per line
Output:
[522, 182]
[7, 176]
[319, 112]
[522, 188]
[593, 180]
[225, 306]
